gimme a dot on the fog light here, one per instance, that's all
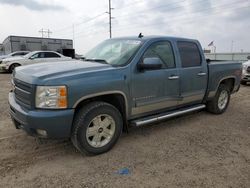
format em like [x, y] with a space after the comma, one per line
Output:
[41, 132]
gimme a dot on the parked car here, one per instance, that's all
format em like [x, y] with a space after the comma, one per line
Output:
[14, 54]
[122, 82]
[246, 72]
[9, 64]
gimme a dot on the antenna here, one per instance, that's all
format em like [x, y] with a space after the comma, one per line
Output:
[140, 35]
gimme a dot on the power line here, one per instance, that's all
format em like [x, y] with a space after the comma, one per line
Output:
[153, 8]
[158, 23]
[129, 5]
[43, 31]
[80, 23]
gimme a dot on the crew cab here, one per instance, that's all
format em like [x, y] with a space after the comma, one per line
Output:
[123, 82]
[9, 64]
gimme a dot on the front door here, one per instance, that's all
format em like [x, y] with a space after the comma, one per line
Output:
[155, 90]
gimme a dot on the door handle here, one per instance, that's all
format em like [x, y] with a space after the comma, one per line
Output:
[173, 77]
[202, 74]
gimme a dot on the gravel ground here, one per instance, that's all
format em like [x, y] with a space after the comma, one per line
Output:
[197, 150]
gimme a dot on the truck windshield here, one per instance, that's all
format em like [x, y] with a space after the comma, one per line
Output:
[116, 52]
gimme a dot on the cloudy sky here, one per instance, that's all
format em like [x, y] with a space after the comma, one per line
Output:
[226, 22]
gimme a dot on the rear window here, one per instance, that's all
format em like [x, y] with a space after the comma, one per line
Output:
[51, 55]
[189, 53]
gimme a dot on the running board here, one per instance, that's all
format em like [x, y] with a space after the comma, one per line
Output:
[163, 116]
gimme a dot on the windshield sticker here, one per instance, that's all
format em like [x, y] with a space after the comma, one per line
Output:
[135, 42]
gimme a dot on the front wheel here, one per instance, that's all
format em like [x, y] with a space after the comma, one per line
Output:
[12, 67]
[243, 82]
[221, 100]
[96, 128]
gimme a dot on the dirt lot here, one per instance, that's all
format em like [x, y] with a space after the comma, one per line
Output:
[197, 150]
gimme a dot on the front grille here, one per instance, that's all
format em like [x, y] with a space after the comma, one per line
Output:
[23, 93]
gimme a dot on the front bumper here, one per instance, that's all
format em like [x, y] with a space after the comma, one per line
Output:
[3, 67]
[56, 123]
[245, 77]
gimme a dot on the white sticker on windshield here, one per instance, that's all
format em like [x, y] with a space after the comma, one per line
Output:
[135, 42]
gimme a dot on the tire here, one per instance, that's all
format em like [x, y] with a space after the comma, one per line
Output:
[13, 66]
[217, 105]
[100, 119]
[243, 82]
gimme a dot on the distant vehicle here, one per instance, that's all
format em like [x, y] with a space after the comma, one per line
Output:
[9, 64]
[246, 72]
[14, 54]
[124, 81]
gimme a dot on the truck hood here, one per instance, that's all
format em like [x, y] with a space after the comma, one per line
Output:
[44, 72]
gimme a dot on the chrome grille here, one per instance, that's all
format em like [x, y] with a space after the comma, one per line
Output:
[23, 93]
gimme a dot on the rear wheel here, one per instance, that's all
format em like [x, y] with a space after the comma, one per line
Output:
[221, 100]
[13, 66]
[96, 128]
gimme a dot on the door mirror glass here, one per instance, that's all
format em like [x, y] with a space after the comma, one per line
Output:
[150, 63]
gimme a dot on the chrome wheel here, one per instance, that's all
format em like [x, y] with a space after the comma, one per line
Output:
[100, 130]
[223, 99]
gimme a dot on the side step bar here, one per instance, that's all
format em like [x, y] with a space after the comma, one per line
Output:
[160, 117]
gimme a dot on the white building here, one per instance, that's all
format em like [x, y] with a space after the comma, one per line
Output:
[17, 43]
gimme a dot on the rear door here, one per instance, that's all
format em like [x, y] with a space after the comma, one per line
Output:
[193, 72]
[155, 90]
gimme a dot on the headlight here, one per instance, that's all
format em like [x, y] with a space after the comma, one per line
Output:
[5, 62]
[51, 97]
[245, 67]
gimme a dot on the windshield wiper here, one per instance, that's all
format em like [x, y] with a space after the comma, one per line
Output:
[103, 61]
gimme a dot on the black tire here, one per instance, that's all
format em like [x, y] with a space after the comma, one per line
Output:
[213, 105]
[13, 66]
[83, 120]
[243, 82]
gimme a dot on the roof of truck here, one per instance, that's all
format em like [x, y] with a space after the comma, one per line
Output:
[150, 37]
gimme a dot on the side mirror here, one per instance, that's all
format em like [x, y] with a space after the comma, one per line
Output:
[248, 57]
[31, 58]
[150, 63]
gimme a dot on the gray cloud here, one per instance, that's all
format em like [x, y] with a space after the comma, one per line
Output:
[32, 5]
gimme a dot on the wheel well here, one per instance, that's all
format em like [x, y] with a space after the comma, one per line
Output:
[116, 100]
[14, 64]
[229, 82]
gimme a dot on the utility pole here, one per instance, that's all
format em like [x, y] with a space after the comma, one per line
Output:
[41, 31]
[232, 46]
[110, 19]
[74, 35]
[48, 32]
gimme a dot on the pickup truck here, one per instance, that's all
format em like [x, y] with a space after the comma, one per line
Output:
[123, 82]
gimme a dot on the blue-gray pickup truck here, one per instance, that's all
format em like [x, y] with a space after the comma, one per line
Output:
[122, 82]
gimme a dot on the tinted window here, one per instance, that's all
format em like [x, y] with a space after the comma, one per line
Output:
[190, 54]
[17, 54]
[51, 55]
[37, 55]
[163, 51]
